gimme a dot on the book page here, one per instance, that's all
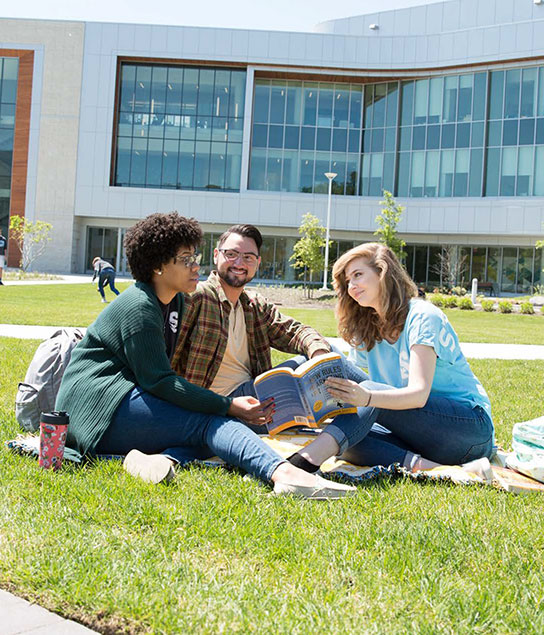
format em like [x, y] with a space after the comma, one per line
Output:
[314, 389]
[281, 384]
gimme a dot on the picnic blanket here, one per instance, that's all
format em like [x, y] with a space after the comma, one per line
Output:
[287, 444]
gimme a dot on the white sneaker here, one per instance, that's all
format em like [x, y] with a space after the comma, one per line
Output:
[322, 490]
[104, 301]
[152, 468]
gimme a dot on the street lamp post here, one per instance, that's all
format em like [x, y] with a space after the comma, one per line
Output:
[330, 176]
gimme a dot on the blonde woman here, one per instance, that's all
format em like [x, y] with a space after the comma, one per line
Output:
[431, 408]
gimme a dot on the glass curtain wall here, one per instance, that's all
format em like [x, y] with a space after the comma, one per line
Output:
[510, 269]
[9, 67]
[302, 130]
[180, 127]
[428, 137]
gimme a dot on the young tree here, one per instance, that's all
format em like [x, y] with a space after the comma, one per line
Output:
[30, 237]
[387, 221]
[308, 250]
[450, 266]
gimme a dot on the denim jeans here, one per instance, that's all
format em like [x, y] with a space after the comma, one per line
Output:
[152, 425]
[444, 430]
[105, 278]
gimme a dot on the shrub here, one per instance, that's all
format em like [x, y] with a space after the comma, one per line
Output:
[459, 291]
[527, 308]
[488, 305]
[465, 304]
[450, 302]
[437, 299]
[505, 306]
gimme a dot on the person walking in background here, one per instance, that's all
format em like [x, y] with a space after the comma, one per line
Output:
[3, 245]
[106, 276]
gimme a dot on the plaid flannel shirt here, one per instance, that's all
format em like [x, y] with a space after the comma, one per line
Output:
[203, 333]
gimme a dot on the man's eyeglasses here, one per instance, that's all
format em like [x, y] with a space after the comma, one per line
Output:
[189, 261]
[231, 254]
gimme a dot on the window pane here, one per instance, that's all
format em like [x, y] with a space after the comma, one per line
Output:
[494, 134]
[540, 108]
[352, 169]
[464, 108]
[261, 102]
[380, 92]
[540, 131]
[510, 133]
[257, 170]
[273, 171]
[461, 173]
[496, 95]
[218, 162]
[237, 93]
[509, 267]
[421, 101]
[306, 172]
[289, 182]
[341, 106]
[403, 174]
[377, 140]
[478, 263]
[525, 270]
[492, 172]
[206, 82]
[418, 138]
[324, 112]
[275, 136]
[137, 162]
[307, 139]
[355, 106]
[294, 103]
[128, 88]
[392, 104]
[365, 175]
[221, 94]
[338, 165]
[528, 92]
[407, 103]
[493, 264]
[524, 185]
[339, 140]
[417, 174]
[463, 135]
[446, 173]
[480, 90]
[433, 137]
[369, 106]
[511, 98]
[355, 141]
[9, 80]
[190, 91]
[170, 164]
[174, 91]
[277, 102]
[323, 139]
[432, 161]
[143, 89]
[448, 135]
[310, 103]
[526, 132]
[508, 171]
[158, 89]
[322, 165]
[449, 111]
[122, 165]
[292, 137]
[376, 171]
[539, 171]
[477, 140]
[435, 99]
[186, 164]
[388, 182]
[234, 163]
[475, 179]
[390, 139]
[201, 178]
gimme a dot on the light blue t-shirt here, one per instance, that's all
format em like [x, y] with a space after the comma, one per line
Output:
[426, 325]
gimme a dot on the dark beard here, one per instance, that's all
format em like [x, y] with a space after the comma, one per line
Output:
[233, 281]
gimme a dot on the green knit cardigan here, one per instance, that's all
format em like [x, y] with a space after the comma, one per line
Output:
[124, 348]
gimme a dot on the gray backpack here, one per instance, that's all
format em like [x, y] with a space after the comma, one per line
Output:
[39, 390]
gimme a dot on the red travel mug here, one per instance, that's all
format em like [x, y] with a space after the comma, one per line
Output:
[53, 428]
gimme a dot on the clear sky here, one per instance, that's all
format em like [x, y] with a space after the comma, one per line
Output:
[284, 15]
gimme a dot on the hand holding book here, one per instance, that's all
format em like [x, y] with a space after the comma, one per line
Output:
[348, 391]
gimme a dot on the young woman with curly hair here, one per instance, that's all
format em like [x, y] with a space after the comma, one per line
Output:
[123, 396]
[431, 408]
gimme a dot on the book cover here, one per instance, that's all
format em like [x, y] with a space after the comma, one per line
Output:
[300, 396]
[515, 482]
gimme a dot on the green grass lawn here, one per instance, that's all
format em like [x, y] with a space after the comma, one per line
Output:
[79, 304]
[212, 552]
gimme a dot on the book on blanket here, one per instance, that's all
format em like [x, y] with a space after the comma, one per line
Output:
[300, 396]
[515, 482]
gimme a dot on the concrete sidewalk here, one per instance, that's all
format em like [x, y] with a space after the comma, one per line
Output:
[472, 350]
[19, 616]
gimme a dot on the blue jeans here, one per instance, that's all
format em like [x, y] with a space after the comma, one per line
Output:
[444, 431]
[152, 425]
[105, 278]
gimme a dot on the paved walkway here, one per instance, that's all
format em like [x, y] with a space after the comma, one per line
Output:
[474, 351]
[19, 616]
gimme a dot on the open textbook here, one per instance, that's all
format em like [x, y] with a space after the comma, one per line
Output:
[300, 396]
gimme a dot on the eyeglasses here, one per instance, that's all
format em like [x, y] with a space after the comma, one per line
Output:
[189, 261]
[231, 254]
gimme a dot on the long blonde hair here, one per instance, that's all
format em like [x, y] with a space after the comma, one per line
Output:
[363, 325]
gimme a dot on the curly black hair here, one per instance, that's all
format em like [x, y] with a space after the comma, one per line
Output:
[156, 239]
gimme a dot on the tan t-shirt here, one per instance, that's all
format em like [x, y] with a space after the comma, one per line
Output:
[235, 367]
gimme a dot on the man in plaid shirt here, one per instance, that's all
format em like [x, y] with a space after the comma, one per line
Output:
[226, 334]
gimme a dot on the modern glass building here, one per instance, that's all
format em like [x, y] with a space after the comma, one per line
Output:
[442, 104]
